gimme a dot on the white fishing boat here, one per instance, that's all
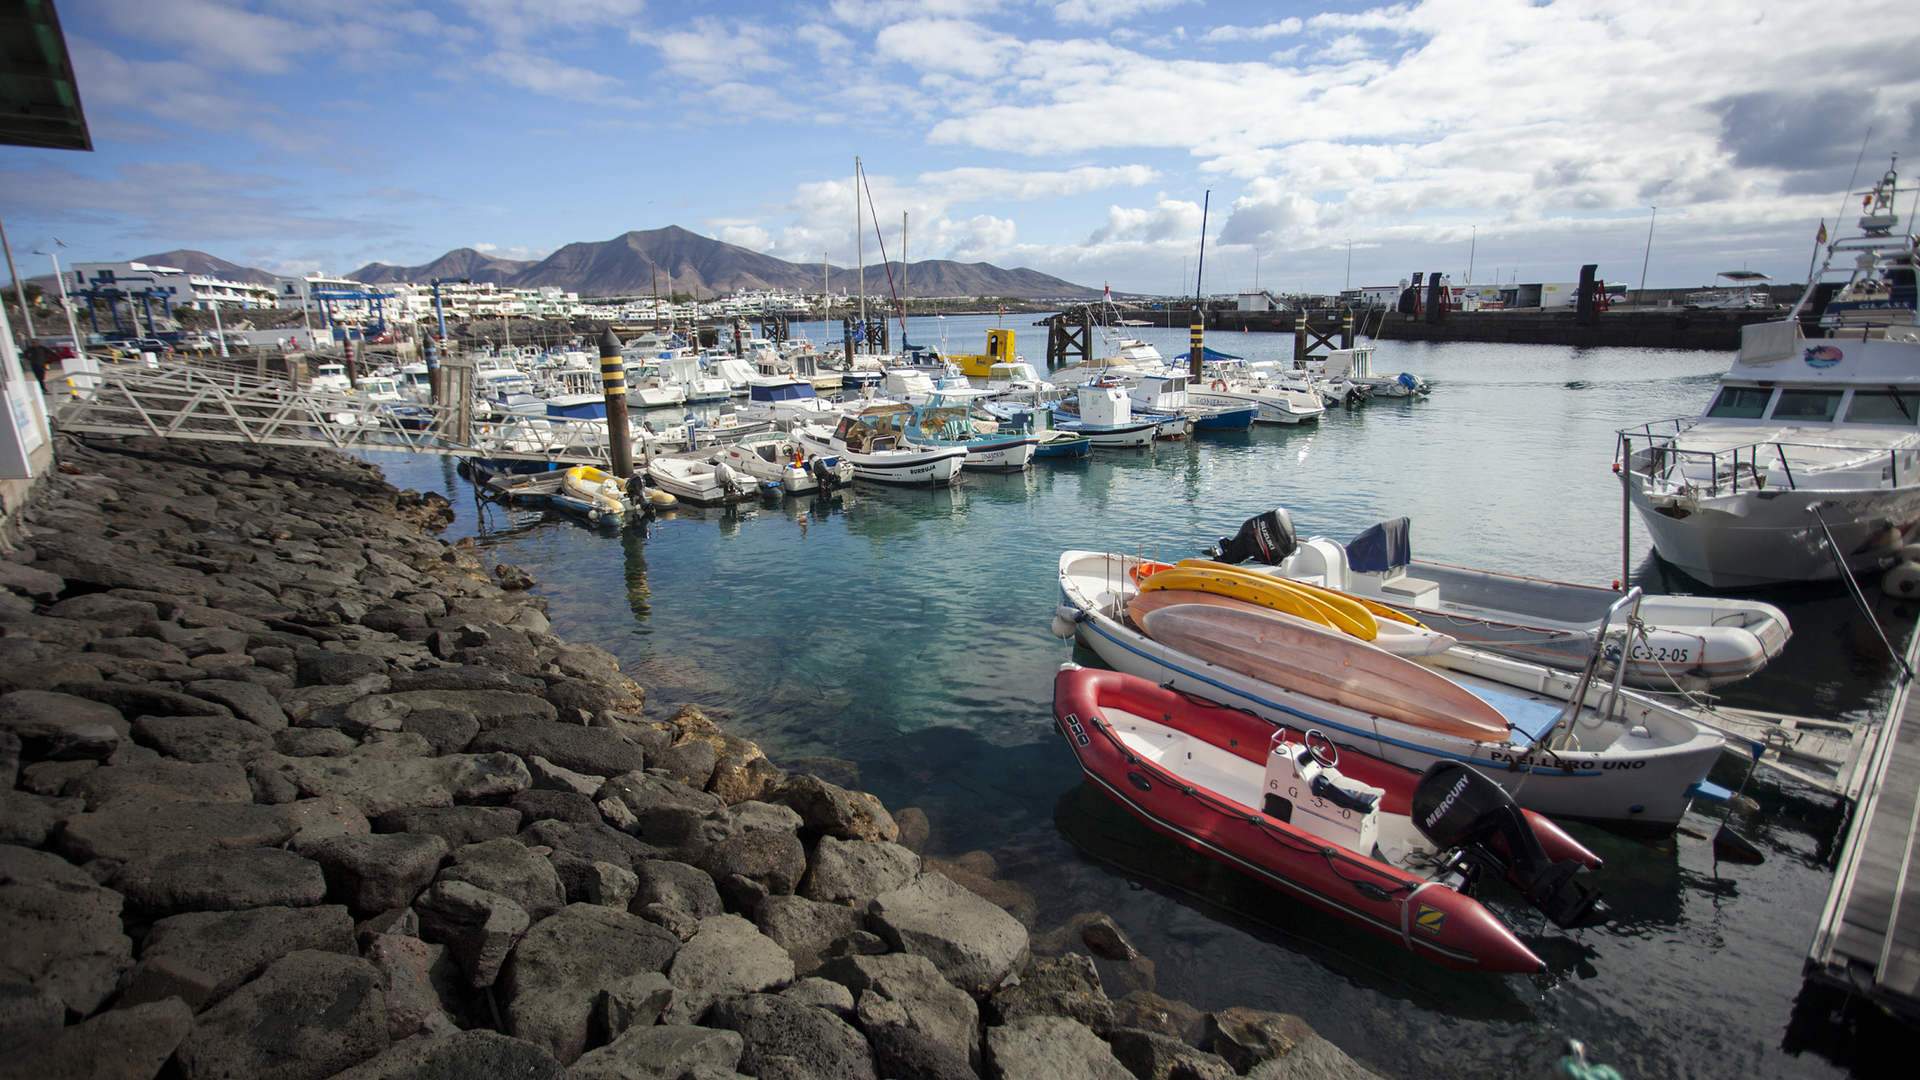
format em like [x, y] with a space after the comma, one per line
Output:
[330, 378]
[946, 420]
[1808, 456]
[1156, 394]
[783, 462]
[1233, 383]
[786, 401]
[1617, 757]
[1735, 290]
[647, 388]
[737, 373]
[1104, 414]
[1690, 642]
[693, 476]
[874, 441]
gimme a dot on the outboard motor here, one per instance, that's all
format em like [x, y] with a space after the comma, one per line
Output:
[1268, 537]
[1460, 810]
[822, 474]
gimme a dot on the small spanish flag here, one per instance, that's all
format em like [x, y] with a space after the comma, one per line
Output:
[1822, 237]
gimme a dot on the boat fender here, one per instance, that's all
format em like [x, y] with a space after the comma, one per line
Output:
[1903, 581]
[1066, 620]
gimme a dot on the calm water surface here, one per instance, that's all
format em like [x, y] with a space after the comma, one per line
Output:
[907, 632]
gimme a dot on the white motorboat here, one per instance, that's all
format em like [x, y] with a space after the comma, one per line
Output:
[1735, 290]
[1808, 456]
[1355, 365]
[874, 441]
[330, 378]
[1691, 642]
[693, 476]
[1618, 757]
[786, 401]
[783, 462]
[685, 371]
[647, 388]
[1104, 415]
[1233, 383]
[737, 373]
[1168, 394]
[946, 420]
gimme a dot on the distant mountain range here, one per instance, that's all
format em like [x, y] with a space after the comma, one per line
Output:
[691, 263]
[199, 262]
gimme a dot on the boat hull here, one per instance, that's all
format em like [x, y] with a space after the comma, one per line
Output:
[1294, 861]
[1760, 538]
[1269, 408]
[907, 468]
[1641, 785]
[1002, 455]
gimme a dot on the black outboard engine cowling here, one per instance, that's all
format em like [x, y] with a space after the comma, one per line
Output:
[1458, 809]
[822, 475]
[1268, 537]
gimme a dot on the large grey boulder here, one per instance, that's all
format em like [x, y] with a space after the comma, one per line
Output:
[61, 726]
[806, 928]
[134, 831]
[309, 1015]
[667, 1052]
[812, 1041]
[201, 957]
[1150, 1055]
[457, 825]
[762, 844]
[202, 738]
[594, 881]
[848, 870]
[560, 969]
[28, 819]
[727, 956]
[462, 1055]
[1050, 1046]
[935, 1009]
[62, 930]
[222, 881]
[1277, 1046]
[1312, 1058]
[1066, 986]
[479, 927]
[249, 701]
[380, 785]
[129, 1043]
[595, 751]
[378, 871]
[160, 782]
[417, 978]
[677, 886]
[665, 812]
[831, 810]
[509, 868]
[902, 1050]
[634, 1001]
[974, 944]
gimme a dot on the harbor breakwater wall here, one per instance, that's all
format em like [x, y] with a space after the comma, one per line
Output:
[296, 789]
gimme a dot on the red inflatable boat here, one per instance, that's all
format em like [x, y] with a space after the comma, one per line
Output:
[1395, 851]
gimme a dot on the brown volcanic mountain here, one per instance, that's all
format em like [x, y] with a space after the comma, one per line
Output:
[460, 263]
[199, 262]
[688, 262]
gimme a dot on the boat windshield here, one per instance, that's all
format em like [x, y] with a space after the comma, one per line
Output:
[1819, 406]
[1740, 403]
[1884, 407]
[795, 391]
[949, 423]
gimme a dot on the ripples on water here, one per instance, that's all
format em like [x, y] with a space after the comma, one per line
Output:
[907, 631]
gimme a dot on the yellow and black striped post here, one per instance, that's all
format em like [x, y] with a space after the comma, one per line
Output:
[1196, 339]
[1346, 329]
[613, 376]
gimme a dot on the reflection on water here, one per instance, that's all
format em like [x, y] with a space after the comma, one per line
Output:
[906, 631]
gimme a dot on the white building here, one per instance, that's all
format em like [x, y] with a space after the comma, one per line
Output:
[1258, 301]
[176, 286]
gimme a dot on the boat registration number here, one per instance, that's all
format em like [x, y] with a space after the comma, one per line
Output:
[1661, 653]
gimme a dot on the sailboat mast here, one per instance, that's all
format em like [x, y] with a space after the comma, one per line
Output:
[859, 243]
[904, 292]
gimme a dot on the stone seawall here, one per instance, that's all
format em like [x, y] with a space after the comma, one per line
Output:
[296, 789]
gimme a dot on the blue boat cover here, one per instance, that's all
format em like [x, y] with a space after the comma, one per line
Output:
[1530, 719]
[1386, 546]
[1211, 354]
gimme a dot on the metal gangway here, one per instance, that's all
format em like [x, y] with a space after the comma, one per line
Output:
[1868, 939]
[210, 403]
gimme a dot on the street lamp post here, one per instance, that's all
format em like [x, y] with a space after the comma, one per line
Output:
[19, 288]
[79, 349]
[1648, 257]
[219, 331]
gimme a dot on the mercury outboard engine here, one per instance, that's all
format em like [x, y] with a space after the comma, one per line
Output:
[1268, 537]
[1460, 810]
[822, 474]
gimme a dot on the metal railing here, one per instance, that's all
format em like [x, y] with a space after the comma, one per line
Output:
[1721, 471]
[183, 402]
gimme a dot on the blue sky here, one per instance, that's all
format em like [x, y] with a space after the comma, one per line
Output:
[1073, 136]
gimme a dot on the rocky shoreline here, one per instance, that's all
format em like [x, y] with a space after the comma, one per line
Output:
[297, 789]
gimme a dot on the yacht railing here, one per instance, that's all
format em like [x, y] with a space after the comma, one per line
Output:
[1717, 472]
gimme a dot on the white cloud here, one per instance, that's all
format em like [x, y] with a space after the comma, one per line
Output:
[544, 75]
[1265, 32]
[715, 48]
[947, 45]
[1100, 11]
[211, 30]
[515, 20]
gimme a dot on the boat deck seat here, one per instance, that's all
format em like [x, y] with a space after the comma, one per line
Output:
[1531, 718]
[1416, 591]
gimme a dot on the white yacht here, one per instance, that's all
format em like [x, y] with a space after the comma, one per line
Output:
[1734, 290]
[688, 371]
[1806, 438]
[331, 378]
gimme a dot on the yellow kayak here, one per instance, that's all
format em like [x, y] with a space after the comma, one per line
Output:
[1343, 613]
[1373, 607]
[1266, 594]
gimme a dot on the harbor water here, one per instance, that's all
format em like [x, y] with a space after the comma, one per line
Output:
[906, 632]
